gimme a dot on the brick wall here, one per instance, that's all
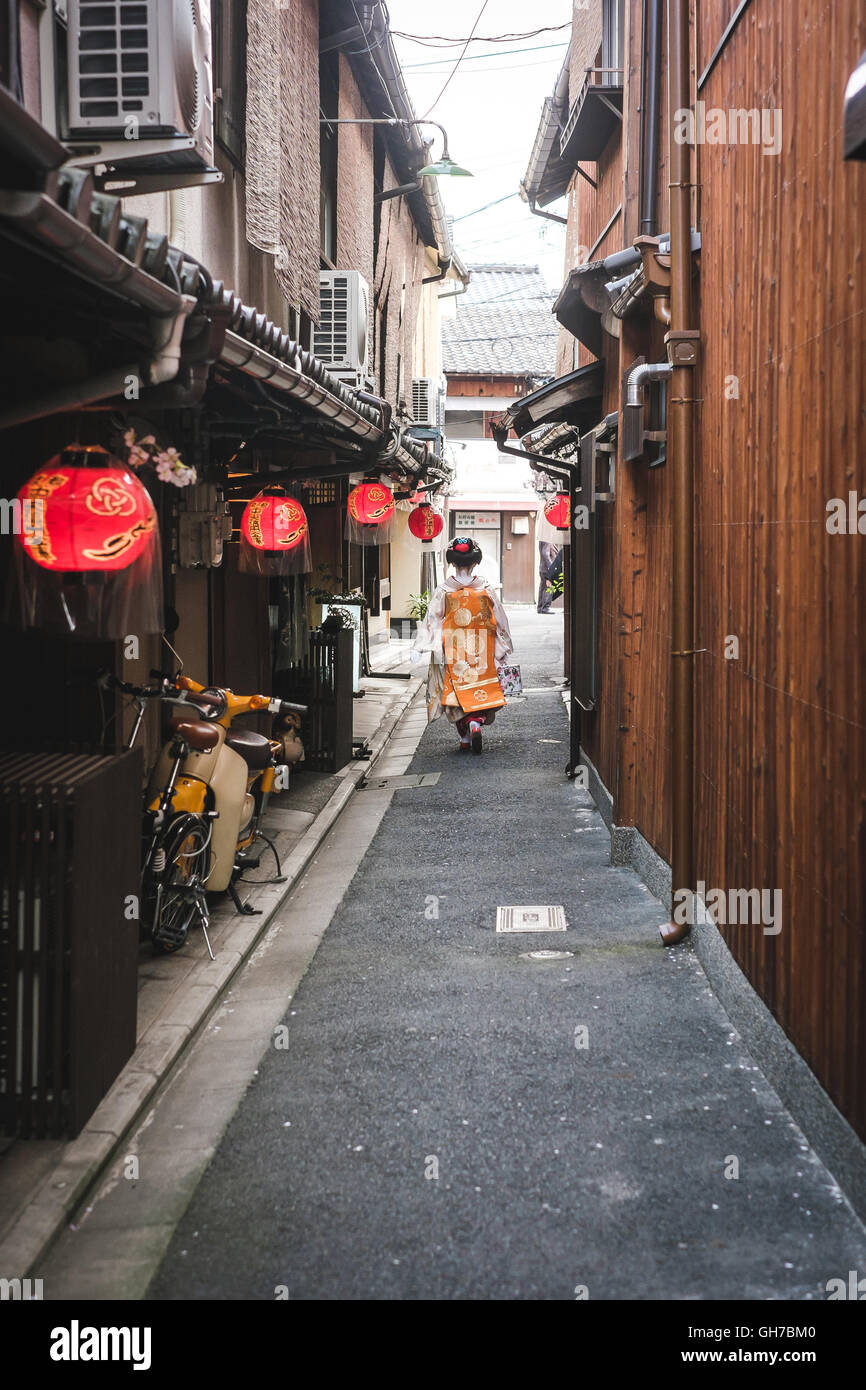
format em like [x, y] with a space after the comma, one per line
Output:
[354, 181]
[399, 269]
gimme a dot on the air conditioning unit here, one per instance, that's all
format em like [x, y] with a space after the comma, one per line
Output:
[140, 93]
[342, 340]
[426, 408]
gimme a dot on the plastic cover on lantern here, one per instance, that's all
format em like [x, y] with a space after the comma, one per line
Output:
[370, 512]
[545, 530]
[427, 526]
[88, 560]
[275, 536]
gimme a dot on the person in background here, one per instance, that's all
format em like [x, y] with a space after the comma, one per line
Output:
[467, 635]
[549, 567]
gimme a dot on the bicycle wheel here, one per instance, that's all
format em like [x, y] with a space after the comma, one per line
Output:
[180, 870]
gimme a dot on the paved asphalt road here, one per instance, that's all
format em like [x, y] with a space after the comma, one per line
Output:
[435, 1130]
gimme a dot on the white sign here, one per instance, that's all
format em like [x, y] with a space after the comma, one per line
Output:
[476, 521]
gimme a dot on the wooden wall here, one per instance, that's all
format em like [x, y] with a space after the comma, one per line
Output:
[781, 793]
[780, 786]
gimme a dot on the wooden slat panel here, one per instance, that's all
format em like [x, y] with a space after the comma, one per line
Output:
[780, 731]
[780, 745]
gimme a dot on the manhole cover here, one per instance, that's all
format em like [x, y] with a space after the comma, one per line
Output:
[546, 955]
[524, 919]
[406, 779]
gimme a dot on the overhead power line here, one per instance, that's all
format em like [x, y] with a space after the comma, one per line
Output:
[435, 40]
[459, 60]
[463, 216]
[483, 57]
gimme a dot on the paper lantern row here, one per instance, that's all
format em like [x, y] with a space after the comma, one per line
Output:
[371, 504]
[558, 511]
[81, 519]
[274, 522]
[426, 523]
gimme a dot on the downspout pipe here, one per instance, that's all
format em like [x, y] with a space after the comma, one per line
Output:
[652, 69]
[683, 350]
[551, 216]
[543, 464]
[162, 367]
[570, 473]
[640, 376]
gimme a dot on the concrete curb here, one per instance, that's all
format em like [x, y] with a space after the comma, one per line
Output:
[86, 1158]
[800, 1091]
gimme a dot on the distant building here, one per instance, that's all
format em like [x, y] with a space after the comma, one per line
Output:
[499, 342]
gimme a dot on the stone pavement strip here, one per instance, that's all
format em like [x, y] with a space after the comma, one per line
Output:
[396, 1102]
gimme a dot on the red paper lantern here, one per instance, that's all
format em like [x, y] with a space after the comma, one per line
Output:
[273, 522]
[371, 504]
[75, 518]
[558, 511]
[425, 523]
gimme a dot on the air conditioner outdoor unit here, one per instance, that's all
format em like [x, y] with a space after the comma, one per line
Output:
[341, 341]
[426, 402]
[140, 92]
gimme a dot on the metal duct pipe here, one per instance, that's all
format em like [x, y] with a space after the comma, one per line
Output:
[615, 286]
[73, 243]
[650, 126]
[682, 341]
[161, 368]
[640, 376]
[551, 216]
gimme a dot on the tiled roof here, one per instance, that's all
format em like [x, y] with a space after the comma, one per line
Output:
[503, 326]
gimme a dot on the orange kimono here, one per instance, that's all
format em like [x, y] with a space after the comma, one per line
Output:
[470, 682]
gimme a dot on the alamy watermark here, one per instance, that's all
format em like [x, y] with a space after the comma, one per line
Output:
[736, 126]
[25, 518]
[734, 906]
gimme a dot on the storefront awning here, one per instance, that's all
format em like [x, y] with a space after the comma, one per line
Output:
[575, 398]
[162, 317]
[529, 503]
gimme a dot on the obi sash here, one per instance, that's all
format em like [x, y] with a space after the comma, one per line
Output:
[469, 638]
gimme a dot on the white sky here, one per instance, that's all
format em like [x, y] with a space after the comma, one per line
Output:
[491, 111]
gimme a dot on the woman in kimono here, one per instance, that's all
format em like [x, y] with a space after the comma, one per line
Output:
[467, 635]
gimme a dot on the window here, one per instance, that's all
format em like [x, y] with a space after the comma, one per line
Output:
[230, 75]
[320, 493]
[329, 102]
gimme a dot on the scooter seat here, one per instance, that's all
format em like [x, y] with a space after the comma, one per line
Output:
[254, 748]
[201, 737]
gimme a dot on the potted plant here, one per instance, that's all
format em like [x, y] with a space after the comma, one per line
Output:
[417, 607]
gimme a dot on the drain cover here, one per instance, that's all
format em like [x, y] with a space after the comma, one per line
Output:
[406, 779]
[523, 919]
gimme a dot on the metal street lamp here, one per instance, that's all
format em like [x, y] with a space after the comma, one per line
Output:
[444, 165]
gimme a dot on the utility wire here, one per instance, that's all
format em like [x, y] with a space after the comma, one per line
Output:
[476, 57]
[463, 216]
[478, 73]
[437, 40]
[459, 60]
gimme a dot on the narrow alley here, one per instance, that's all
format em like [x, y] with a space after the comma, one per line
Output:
[444, 1112]
[432, 598]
